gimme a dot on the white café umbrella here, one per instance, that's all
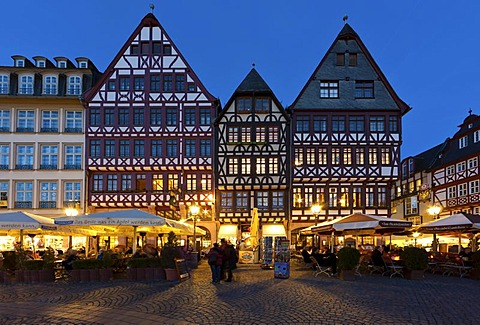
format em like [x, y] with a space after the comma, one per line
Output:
[19, 220]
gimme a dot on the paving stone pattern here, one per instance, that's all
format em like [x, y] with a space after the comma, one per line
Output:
[254, 297]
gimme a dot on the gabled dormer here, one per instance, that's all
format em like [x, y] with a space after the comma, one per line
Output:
[63, 63]
[20, 61]
[43, 62]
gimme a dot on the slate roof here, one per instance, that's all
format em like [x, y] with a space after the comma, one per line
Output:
[253, 82]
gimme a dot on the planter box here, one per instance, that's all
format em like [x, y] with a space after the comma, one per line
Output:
[347, 275]
[159, 273]
[171, 274]
[475, 274]
[47, 275]
[413, 274]
[94, 275]
[19, 276]
[75, 275]
[105, 274]
[149, 274]
[84, 275]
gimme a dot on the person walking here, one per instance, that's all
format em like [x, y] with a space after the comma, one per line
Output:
[215, 260]
[230, 261]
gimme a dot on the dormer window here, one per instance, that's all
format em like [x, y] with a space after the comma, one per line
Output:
[83, 64]
[50, 85]
[41, 64]
[20, 63]
[74, 86]
[62, 64]
[463, 142]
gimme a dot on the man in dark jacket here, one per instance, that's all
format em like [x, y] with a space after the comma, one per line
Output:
[230, 261]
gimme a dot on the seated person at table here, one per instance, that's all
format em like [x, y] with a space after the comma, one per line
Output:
[68, 262]
[377, 258]
[465, 255]
[325, 259]
[306, 254]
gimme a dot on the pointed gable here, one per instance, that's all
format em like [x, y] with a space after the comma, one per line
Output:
[149, 50]
[345, 66]
[253, 82]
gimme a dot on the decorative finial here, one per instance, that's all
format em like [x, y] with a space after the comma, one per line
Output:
[253, 65]
[470, 111]
[152, 6]
[345, 18]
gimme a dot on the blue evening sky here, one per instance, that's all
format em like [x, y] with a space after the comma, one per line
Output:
[428, 50]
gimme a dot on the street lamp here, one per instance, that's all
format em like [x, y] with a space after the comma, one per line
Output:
[194, 210]
[416, 235]
[71, 212]
[434, 211]
[316, 208]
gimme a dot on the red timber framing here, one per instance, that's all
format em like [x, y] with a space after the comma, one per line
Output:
[149, 135]
[346, 136]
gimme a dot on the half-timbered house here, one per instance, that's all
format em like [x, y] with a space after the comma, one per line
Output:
[346, 135]
[149, 129]
[252, 158]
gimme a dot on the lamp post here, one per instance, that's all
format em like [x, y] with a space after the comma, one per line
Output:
[71, 211]
[415, 235]
[316, 208]
[194, 210]
[434, 211]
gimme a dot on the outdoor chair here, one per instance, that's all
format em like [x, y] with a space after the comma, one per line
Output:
[457, 267]
[392, 268]
[363, 265]
[319, 269]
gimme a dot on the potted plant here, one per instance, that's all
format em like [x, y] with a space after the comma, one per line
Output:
[87, 269]
[415, 261]
[106, 272]
[32, 270]
[348, 259]
[475, 272]
[47, 274]
[170, 252]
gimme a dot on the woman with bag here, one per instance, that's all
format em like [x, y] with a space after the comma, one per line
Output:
[215, 261]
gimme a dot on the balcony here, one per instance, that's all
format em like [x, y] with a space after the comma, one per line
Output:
[73, 166]
[4, 129]
[3, 167]
[49, 130]
[73, 130]
[48, 204]
[25, 130]
[48, 167]
[71, 204]
[24, 167]
[23, 204]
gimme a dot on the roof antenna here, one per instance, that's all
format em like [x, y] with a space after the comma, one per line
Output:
[345, 18]
[152, 7]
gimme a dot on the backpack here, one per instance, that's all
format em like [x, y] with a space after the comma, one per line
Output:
[212, 257]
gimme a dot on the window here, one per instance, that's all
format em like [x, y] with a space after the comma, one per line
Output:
[141, 183]
[474, 187]
[191, 182]
[156, 48]
[172, 181]
[156, 148]
[167, 83]
[245, 165]
[335, 156]
[171, 117]
[462, 190]
[144, 48]
[262, 200]
[109, 116]
[94, 117]
[344, 200]
[24, 157]
[138, 117]
[261, 166]
[189, 116]
[4, 84]
[476, 136]
[241, 200]
[24, 195]
[260, 134]
[377, 124]
[41, 63]
[382, 197]
[72, 191]
[49, 157]
[369, 196]
[157, 182]
[338, 123]
[123, 116]
[310, 156]
[50, 85]
[155, 117]
[139, 83]
[94, 148]
[26, 85]
[83, 64]
[356, 124]
[62, 64]
[357, 197]
[49, 121]
[319, 124]
[154, 83]
[385, 156]
[451, 192]
[48, 195]
[226, 200]
[298, 156]
[461, 166]
[112, 182]
[4, 157]
[172, 150]
[4, 121]
[112, 85]
[191, 87]
[139, 148]
[179, 83]
[97, 183]
[273, 134]
[472, 163]
[347, 156]
[124, 148]
[244, 105]
[328, 89]
[463, 142]
[127, 183]
[262, 105]
[340, 58]
[233, 166]
[26, 121]
[360, 156]
[245, 134]
[73, 157]
[206, 182]
[74, 85]
[109, 148]
[372, 156]
[332, 197]
[20, 63]
[352, 59]
[190, 148]
[73, 121]
[364, 89]
[277, 200]
[273, 166]
[411, 205]
[450, 170]
[322, 156]
[205, 148]
[205, 116]
[302, 124]
[393, 124]
[124, 83]
[167, 50]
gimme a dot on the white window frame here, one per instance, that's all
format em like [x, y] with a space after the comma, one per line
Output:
[74, 120]
[476, 136]
[20, 63]
[48, 193]
[5, 155]
[5, 120]
[451, 192]
[72, 191]
[461, 166]
[474, 186]
[26, 84]
[462, 189]
[4, 84]
[26, 119]
[62, 64]
[25, 155]
[83, 65]
[74, 85]
[450, 170]
[472, 163]
[41, 64]
[50, 120]
[463, 142]
[50, 84]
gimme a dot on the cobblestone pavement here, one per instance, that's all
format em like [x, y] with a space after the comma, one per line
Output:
[255, 297]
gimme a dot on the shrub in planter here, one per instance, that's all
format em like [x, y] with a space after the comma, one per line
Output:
[170, 251]
[348, 258]
[415, 261]
[475, 259]
[87, 269]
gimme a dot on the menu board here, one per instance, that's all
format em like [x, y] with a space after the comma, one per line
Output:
[182, 269]
[282, 258]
